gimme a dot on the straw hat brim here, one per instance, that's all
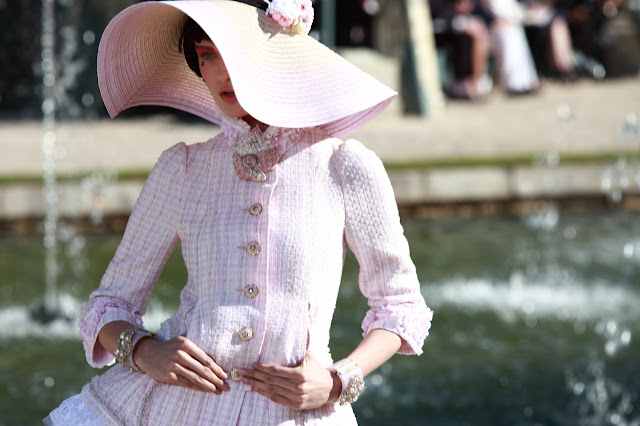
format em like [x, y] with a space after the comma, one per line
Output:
[279, 77]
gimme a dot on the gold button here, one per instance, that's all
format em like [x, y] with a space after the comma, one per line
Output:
[255, 209]
[245, 334]
[251, 291]
[235, 374]
[253, 248]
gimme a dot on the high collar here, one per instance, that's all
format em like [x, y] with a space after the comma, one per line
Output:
[233, 128]
[283, 138]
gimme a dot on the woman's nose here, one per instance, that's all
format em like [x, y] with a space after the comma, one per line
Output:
[223, 74]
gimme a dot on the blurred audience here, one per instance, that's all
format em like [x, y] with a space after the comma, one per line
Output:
[530, 38]
[549, 39]
[515, 68]
[464, 34]
[606, 36]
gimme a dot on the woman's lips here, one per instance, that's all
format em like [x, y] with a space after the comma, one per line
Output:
[228, 97]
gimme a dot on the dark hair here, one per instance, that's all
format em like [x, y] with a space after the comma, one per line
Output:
[260, 4]
[192, 34]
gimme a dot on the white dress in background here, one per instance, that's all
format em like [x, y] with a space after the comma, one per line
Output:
[516, 69]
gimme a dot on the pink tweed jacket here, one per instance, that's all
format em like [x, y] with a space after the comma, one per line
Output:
[264, 263]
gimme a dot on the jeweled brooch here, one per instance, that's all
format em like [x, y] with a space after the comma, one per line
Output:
[254, 155]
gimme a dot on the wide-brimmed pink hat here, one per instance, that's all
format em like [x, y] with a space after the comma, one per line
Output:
[280, 77]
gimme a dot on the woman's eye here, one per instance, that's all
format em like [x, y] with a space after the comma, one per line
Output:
[205, 54]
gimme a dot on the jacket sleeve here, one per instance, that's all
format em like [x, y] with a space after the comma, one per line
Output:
[149, 239]
[374, 234]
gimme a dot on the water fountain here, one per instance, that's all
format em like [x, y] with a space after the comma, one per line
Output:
[48, 311]
[599, 398]
[59, 68]
[536, 317]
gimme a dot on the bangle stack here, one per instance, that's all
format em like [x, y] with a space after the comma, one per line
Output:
[127, 343]
[352, 382]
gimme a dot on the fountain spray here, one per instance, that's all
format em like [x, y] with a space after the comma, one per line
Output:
[48, 311]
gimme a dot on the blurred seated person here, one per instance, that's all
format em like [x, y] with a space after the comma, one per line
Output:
[549, 38]
[606, 36]
[515, 68]
[466, 37]
[586, 19]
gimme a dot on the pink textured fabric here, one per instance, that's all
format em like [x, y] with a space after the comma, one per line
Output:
[324, 196]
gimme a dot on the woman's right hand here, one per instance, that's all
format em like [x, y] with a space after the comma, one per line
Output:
[180, 362]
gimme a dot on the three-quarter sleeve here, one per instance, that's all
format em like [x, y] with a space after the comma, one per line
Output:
[149, 239]
[374, 234]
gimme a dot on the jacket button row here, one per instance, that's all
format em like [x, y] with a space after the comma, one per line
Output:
[245, 334]
[255, 209]
[251, 291]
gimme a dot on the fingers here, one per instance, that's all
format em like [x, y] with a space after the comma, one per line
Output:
[284, 385]
[290, 373]
[203, 358]
[181, 362]
[268, 382]
[306, 386]
[276, 389]
[195, 379]
[296, 403]
[201, 364]
[195, 360]
[198, 373]
[186, 383]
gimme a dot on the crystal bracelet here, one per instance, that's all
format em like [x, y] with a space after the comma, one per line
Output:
[352, 382]
[126, 345]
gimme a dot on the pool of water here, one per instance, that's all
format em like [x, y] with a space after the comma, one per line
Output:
[537, 322]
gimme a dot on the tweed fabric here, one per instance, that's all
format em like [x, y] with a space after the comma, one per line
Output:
[324, 196]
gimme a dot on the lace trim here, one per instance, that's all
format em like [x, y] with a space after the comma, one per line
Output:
[74, 412]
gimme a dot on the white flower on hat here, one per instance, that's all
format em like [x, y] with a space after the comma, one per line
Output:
[295, 14]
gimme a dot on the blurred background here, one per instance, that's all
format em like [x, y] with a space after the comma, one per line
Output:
[514, 153]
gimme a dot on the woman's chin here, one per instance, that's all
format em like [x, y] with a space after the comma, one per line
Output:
[253, 122]
[234, 110]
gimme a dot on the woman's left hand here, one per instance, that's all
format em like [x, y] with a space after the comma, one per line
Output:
[304, 387]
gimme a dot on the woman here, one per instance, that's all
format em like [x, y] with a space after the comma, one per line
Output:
[514, 63]
[459, 28]
[264, 213]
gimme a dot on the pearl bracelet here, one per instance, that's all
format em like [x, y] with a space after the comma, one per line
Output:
[126, 345]
[352, 382]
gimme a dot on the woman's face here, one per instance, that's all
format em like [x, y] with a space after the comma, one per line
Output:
[215, 75]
